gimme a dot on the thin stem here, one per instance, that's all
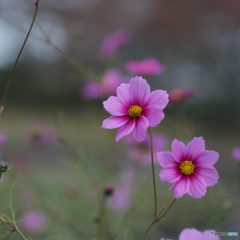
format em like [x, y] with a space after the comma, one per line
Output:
[19, 232]
[148, 229]
[153, 174]
[168, 208]
[15, 64]
[101, 215]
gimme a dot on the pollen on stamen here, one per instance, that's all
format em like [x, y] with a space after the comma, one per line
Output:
[134, 111]
[186, 167]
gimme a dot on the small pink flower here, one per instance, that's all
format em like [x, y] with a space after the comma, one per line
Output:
[147, 67]
[135, 109]
[236, 154]
[113, 42]
[189, 168]
[141, 152]
[34, 221]
[193, 234]
[180, 94]
[41, 134]
[91, 90]
[105, 87]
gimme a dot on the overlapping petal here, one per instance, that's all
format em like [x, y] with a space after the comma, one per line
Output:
[209, 174]
[206, 235]
[140, 130]
[114, 122]
[140, 90]
[115, 107]
[165, 158]
[124, 95]
[178, 150]
[125, 129]
[170, 174]
[181, 187]
[154, 114]
[206, 158]
[194, 147]
[197, 186]
[158, 97]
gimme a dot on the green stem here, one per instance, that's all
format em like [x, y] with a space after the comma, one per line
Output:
[148, 229]
[153, 174]
[19, 232]
[101, 215]
[15, 64]
[168, 209]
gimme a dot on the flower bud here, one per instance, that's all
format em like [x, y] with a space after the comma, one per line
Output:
[109, 189]
[3, 167]
[4, 220]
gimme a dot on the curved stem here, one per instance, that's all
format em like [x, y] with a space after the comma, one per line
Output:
[15, 64]
[153, 174]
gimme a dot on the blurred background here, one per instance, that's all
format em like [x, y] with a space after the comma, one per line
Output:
[198, 45]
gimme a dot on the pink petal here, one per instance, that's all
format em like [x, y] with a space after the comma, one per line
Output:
[114, 122]
[154, 114]
[190, 234]
[206, 158]
[123, 94]
[170, 174]
[181, 187]
[197, 186]
[206, 235]
[236, 153]
[115, 107]
[140, 130]
[125, 129]
[178, 150]
[194, 147]
[209, 174]
[158, 97]
[165, 158]
[140, 90]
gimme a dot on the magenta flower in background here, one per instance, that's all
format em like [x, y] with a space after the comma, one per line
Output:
[41, 134]
[147, 67]
[141, 152]
[36, 221]
[180, 94]
[189, 168]
[192, 233]
[91, 90]
[113, 42]
[122, 196]
[3, 138]
[105, 87]
[236, 154]
[135, 109]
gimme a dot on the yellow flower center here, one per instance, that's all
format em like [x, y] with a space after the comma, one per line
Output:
[134, 111]
[186, 167]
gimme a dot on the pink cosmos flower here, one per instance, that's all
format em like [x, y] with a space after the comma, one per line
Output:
[180, 94]
[236, 154]
[192, 233]
[34, 221]
[134, 109]
[41, 134]
[189, 168]
[141, 152]
[105, 87]
[147, 67]
[113, 42]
